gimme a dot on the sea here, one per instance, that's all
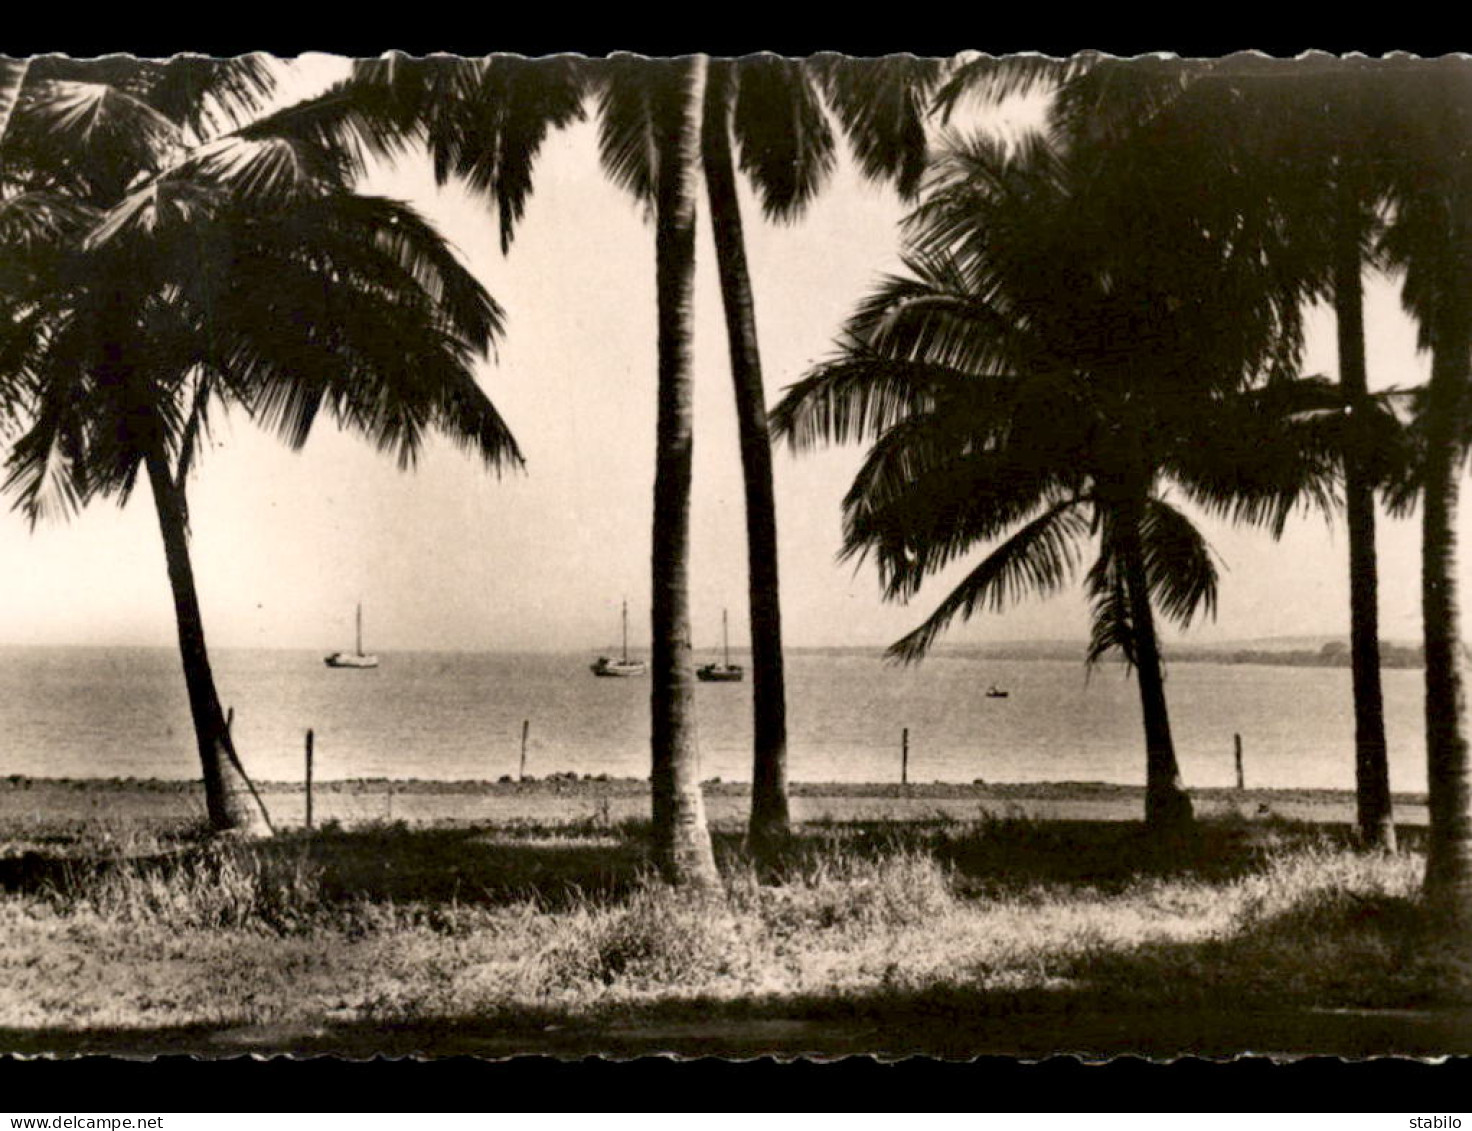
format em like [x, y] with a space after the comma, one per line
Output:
[87, 712]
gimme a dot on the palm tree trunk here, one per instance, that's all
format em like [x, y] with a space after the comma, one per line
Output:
[1448, 883]
[1167, 806]
[682, 845]
[229, 799]
[1372, 768]
[770, 819]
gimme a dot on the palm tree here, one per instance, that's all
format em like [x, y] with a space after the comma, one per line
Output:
[483, 121]
[771, 110]
[1307, 142]
[671, 94]
[155, 276]
[1431, 237]
[1056, 354]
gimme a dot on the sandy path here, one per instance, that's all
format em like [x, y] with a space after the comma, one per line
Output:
[39, 801]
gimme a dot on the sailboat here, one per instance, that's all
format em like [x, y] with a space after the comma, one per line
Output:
[356, 659]
[606, 666]
[725, 672]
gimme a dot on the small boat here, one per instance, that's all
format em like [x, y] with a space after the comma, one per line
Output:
[995, 692]
[608, 667]
[725, 672]
[357, 659]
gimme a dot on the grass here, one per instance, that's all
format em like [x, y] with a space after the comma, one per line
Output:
[940, 927]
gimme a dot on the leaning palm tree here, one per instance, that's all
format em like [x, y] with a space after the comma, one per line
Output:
[1054, 358]
[770, 111]
[190, 274]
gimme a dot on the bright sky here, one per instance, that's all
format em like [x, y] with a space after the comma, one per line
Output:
[450, 557]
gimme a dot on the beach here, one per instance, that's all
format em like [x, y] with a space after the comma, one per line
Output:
[567, 799]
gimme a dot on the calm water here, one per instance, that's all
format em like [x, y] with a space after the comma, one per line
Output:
[109, 712]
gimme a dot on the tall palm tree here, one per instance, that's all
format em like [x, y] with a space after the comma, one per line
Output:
[671, 94]
[771, 111]
[1306, 143]
[155, 275]
[1431, 237]
[483, 121]
[1056, 354]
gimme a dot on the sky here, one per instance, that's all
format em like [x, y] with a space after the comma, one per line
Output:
[448, 556]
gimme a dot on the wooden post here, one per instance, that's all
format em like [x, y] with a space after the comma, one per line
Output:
[309, 777]
[390, 801]
[1237, 748]
[525, 726]
[905, 756]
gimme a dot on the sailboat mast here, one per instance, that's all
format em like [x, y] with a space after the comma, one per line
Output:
[725, 639]
[626, 632]
[360, 628]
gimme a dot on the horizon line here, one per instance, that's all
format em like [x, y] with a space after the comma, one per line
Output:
[943, 646]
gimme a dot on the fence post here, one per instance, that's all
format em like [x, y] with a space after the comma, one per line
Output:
[905, 756]
[525, 726]
[309, 777]
[1237, 750]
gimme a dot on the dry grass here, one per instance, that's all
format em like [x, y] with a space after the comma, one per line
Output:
[391, 926]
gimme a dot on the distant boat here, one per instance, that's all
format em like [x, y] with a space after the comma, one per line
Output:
[605, 666]
[357, 659]
[725, 672]
[995, 692]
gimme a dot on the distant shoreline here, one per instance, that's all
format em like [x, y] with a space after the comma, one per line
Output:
[1271, 653]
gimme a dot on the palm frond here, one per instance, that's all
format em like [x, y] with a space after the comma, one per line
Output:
[46, 471]
[12, 76]
[210, 95]
[1039, 559]
[627, 143]
[1403, 454]
[1179, 565]
[368, 322]
[994, 79]
[491, 133]
[269, 171]
[39, 232]
[936, 314]
[853, 397]
[354, 120]
[160, 213]
[1111, 628]
[1261, 454]
[882, 104]
[786, 148]
[926, 494]
[90, 136]
[376, 242]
